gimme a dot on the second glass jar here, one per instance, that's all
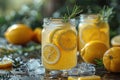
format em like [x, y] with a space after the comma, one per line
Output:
[92, 27]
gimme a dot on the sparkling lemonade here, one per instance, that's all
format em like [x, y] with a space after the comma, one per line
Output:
[59, 44]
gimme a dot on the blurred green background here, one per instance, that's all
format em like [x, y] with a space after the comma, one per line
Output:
[32, 12]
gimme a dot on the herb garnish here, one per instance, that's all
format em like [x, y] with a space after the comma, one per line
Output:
[76, 11]
[106, 13]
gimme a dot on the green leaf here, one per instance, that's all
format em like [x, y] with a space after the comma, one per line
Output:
[75, 11]
[105, 13]
[99, 62]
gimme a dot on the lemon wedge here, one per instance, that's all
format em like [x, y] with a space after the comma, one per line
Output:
[115, 41]
[94, 77]
[5, 64]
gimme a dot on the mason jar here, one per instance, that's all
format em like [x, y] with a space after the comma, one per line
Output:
[92, 27]
[59, 44]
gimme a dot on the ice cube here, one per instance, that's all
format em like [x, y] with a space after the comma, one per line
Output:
[40, 70]
[86, 69]
[73, 72]
[33, 64]
[14, 77]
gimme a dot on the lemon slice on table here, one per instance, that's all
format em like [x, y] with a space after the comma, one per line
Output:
[66, 39]
[51, 54]
[93, 77]
[5, 64]
[115, 41]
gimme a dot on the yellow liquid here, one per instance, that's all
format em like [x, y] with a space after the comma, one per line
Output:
[93, 31]
[67, 55]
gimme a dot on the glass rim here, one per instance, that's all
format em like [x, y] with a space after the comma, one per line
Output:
[56, 19]
[89, 16]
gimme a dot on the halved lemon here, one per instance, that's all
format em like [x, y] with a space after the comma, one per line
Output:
[51, 54]
[115, 41]
[66, 39]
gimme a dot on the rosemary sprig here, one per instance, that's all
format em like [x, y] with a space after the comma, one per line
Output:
[106, 13]
[99, 62]
[75, 11]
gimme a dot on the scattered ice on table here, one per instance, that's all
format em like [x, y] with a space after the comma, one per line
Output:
[40, 70]
[3, 72]
[74, 72]
[3, 41]
[33, 64]
[55, 72]
[26, 54]
[86, 69]
[14, 47]
[35, 68]
[7, 58]
[17, 77]
[14, 78]
[82, 69]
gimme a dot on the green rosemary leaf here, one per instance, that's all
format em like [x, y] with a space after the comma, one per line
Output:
[105, 13]
[68, 11]
[65, 18]
[99, 62]
[75, 11]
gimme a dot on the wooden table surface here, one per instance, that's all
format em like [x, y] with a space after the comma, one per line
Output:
[105, 75]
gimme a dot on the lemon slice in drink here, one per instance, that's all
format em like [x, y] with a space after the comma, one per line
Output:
[66, 39]
[103, 36]
[52, 34]
[89, 33]
[51, 54]
[115, 41]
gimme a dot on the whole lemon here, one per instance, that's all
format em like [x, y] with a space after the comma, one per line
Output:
[18, 34]
[93, 50]
[111, 59]
[37, 35]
